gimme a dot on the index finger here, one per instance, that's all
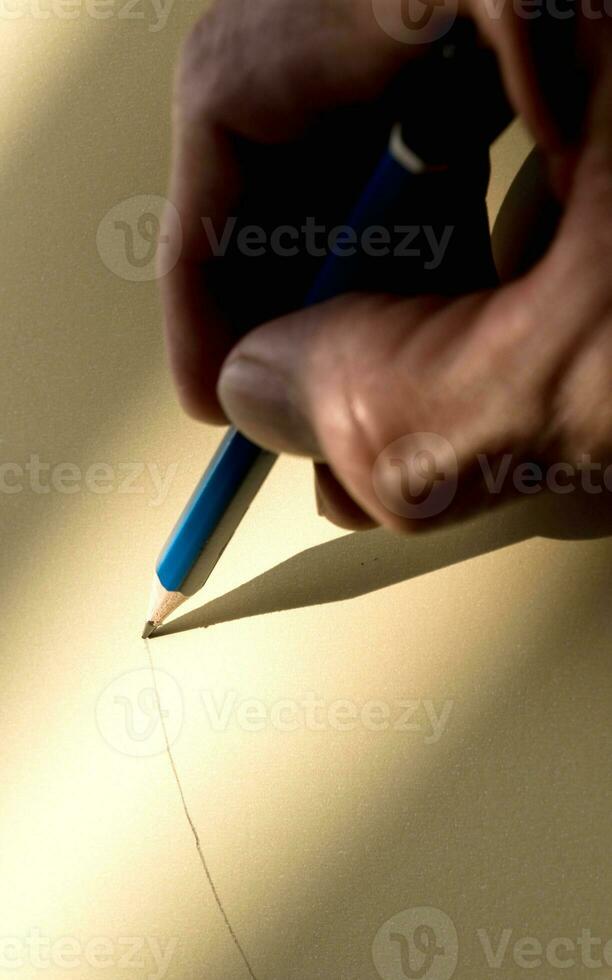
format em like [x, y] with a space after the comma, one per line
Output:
[204, 181]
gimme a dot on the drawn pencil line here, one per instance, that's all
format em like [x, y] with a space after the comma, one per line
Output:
[194, 831]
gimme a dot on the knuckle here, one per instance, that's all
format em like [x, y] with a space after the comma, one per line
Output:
[583, 405]
[347, 408]
[376, 428]
[204, 62]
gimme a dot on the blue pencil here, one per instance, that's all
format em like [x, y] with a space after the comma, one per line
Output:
[405, 189]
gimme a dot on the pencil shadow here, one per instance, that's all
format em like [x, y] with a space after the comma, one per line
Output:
[364, 562]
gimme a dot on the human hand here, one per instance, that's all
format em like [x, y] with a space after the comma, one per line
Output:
[524, 369]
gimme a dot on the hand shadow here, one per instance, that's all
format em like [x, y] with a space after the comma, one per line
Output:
[366, 561]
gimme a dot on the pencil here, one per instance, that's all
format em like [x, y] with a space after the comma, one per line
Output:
[421, 179]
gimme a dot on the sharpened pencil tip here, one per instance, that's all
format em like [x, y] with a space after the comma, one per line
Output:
[148, 630]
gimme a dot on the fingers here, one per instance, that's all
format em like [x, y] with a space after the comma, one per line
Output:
[414, 404]
[334, 503]
[204, 182]
[550, 63]
[386, 394]
[229, 91]
[390, 392]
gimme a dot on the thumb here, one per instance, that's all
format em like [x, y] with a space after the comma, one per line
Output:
[398, 396]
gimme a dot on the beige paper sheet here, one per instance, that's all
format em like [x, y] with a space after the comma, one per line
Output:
[472, 807]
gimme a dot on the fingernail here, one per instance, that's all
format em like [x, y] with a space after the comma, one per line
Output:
[263, 403]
